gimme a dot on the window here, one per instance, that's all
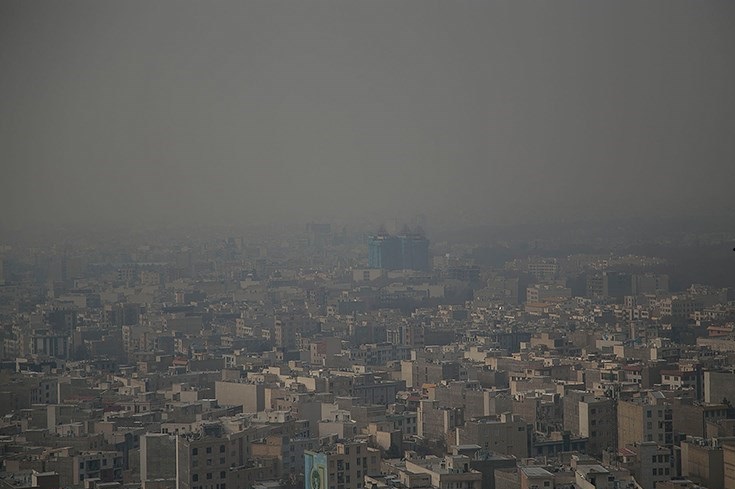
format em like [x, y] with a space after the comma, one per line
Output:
[195, 451]
[221, 449]
[209, 476]
[222, 474]
[195, 477]
[209, 449]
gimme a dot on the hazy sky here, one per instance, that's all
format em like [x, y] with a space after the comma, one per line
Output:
[153, 111]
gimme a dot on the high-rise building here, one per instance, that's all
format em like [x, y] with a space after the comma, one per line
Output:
[616, 284]
[649, 283]
[384, 251]
[414, 252]
[409, 251]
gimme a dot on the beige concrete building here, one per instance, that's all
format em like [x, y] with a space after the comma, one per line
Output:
[691, 418]
[104, 465]
[453, 472]
[719, 386]
[437, 423]
[214, 459]
[645, 419]
[157, 459]
[507, 434]
[728, 462]
[594, 477]
[649, 462]
[592, 417]
[250, 396]
[702, 461]
[449, 472]
[470, 396]
[344, 466]
[535, 478]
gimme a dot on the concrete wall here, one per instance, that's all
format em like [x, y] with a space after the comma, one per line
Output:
[157, 457]
[719, 385]
[250, 396]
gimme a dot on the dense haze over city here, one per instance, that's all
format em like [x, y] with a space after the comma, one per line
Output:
[252, 112]
[367, 245]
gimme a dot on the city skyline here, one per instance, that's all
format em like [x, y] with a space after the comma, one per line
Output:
[341, 244]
